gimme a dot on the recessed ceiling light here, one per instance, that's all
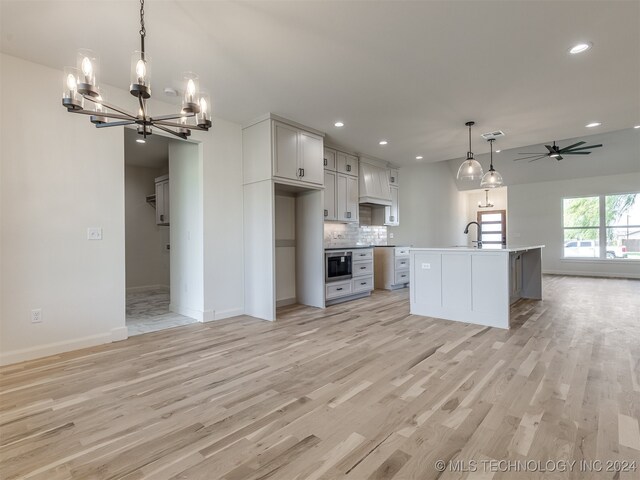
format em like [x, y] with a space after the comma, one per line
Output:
[579, 48]
[140, 140]
[637, 126]
[498, 151]
[593, 124]
[383, 142]
[170, 92]
[419, 157]
[338, 124]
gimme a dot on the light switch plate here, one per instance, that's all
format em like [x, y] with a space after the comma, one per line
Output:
[94, 233]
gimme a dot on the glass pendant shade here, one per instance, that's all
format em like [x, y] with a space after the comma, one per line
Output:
[140, 74]
[203, 117]
[470, 170]
[71, 98]
[88, 64]
[491, 179]
[100, 109]
[190, 102]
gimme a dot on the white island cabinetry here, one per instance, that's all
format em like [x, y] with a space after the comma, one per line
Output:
[473, 285]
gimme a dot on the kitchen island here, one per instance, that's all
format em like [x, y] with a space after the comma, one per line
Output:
[473, 285]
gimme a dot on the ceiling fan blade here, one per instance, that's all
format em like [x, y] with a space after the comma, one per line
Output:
[588, 147]
[531, 153]
[551, 149]
[539, 158]
[559, 157]
[532, 156]
[576, 153]
[571, 146]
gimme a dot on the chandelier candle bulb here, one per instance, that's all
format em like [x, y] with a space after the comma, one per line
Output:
[100, 109]
[70, 96]
[192, 88]
[87, 63]
[140, 74]
[203, 117]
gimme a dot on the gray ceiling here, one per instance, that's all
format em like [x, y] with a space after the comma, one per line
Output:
[409, 72]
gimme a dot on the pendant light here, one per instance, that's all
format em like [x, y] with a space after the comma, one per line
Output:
[80, 84]
[491, 179]
[470, 168]
[487, 203]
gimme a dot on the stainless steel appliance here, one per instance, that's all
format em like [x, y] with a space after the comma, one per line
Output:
[337, 266]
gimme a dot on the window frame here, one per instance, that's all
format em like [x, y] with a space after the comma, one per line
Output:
[602, 229]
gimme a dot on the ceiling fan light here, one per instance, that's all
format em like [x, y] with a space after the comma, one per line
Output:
[579, 48]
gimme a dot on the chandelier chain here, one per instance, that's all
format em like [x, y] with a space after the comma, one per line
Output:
[143, 31]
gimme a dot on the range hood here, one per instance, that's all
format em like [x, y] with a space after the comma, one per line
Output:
[374, 185]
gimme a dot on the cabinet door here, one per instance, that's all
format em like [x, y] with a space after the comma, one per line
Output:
[285, 151]
[165, 190]
[311, 158]
[341, 197]
[391, 213]
[330, 195]
[393, 176]
[329, 159]
[353, 206]
[347, 164]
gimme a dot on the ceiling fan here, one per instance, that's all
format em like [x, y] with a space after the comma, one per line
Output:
[557, 152]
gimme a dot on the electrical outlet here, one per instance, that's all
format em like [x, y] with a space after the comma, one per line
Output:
[36, 315]
[426, 266]
[390, 234]
[94, 233]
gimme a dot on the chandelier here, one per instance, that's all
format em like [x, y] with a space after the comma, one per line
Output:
[80, 85]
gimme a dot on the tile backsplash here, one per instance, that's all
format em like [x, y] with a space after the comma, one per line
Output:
[351, 235]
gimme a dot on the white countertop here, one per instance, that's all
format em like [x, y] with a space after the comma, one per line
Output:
[510, 248]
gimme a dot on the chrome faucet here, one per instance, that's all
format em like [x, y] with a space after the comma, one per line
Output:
[478, 233]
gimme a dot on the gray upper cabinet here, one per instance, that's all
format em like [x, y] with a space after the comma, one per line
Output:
[297, 155]
[392, 212]
[347, 164]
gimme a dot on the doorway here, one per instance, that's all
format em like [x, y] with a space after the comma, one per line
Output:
[148, 220]
[493, 225]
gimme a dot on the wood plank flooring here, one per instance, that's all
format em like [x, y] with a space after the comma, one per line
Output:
[358, 391]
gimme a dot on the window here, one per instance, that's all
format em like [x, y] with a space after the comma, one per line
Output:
[602, 226]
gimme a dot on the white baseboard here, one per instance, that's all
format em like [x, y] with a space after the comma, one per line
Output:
[285, 301]
[146, 288]
[55, 348]
[187, 312]
[591, 274]
[231, 312]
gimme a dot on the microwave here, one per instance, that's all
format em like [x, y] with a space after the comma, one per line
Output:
[337, 266]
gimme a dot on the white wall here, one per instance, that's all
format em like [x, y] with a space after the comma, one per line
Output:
[535, 217]
[64, 175]
[223, 224]
[285, 228]
[147, 259]
[60, 175]
[432, 211]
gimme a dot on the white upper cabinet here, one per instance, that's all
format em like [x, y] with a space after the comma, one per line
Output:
[330, 195]
[391, 212]
[393, 176]
[285, 156]
[297, 155]
[330, 159]
[347, 198]
[162, 200]
[347, 164]
[311, 158]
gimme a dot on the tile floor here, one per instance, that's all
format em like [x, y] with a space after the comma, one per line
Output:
[148, 311]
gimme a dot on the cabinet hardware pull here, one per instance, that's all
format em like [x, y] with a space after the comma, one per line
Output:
[348, 168]
[326, 162]
[162, 218]
[348, 215]
[363, 268]
[302, 171]
[392, 218]
[363, 283]
[326, 213]
[338, 289]
[393, 179]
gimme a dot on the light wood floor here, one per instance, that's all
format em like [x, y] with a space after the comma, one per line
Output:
[358, 391]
